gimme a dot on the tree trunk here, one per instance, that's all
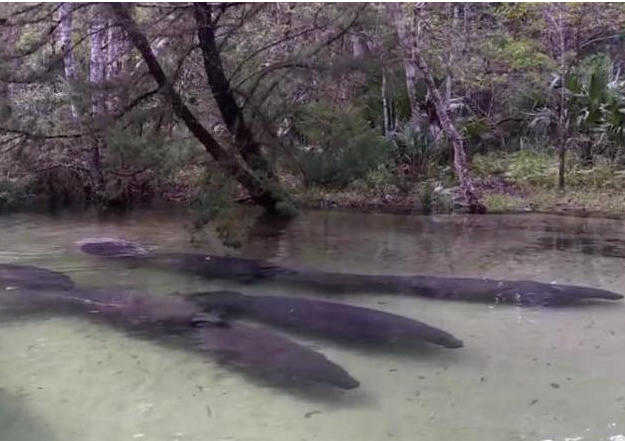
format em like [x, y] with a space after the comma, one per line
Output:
[117, 48]
[405, 36]
[360, 48]
[561, 158]
[65, 40]
[261, 194]
[554, 15]
[460, 157]
[8, 38]
[97, 66]
[222, 93]
[385, 105]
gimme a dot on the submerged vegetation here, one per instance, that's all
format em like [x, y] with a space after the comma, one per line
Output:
[410, 108]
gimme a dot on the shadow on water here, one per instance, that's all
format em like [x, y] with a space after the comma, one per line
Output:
[306, 391]
[18, 424]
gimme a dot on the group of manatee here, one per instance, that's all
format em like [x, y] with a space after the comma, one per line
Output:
[210, 319]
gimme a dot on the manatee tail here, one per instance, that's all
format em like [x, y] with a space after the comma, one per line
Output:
[109, 247]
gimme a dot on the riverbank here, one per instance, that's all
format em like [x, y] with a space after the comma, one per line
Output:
[581, 203]
[608, 204]
[519, 182]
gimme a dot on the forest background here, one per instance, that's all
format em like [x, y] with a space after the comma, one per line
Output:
[446, 107]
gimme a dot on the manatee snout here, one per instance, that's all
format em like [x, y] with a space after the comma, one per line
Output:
[443, 338]
[347, 382]
[448, 341]
[452, 343]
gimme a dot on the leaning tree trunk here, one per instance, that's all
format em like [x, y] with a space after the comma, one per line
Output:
[410, 46]
[460, 155]
[224, 97]
[261, 194]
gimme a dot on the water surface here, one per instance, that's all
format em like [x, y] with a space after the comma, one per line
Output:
[524, 373]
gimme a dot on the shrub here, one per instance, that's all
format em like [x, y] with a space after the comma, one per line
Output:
[14, 195]
[342, 146]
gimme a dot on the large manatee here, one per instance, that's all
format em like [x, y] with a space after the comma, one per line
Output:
[524, 293]
[14, 276]
[259, 350]
[330, 319]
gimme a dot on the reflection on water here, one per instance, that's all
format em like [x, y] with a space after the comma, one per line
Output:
[608, 247]
[524, 373]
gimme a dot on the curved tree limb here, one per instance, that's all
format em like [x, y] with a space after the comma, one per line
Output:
[259, 192]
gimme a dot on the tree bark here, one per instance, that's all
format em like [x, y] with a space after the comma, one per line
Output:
[97, 66]
[97, 61]
[360, 48]
[65, 40]
[117, 48]
[554, 15]
[403, 33]
[562, 158]
[224, 97]
[8, 37]
[460, 157]
[260, 193]
[385, 105]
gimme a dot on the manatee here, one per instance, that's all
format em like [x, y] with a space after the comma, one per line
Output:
[14, 276]
[252, 347]
[329, 319]
[523, 293]
[166, 316]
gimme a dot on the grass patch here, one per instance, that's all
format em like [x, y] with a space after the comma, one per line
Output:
[599, 202]
[503, 203]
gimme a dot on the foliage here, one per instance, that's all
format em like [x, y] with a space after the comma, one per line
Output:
[415, 151]
[491, 163]
[14, 194]
[313, 104]
[532, 167]
[521, 54]
[214, 209]
[344, 147]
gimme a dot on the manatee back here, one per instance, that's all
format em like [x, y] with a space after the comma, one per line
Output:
[31, 277]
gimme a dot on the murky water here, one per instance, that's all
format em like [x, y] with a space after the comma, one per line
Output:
[524, 373]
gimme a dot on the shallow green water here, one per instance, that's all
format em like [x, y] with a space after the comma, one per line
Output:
[524, 373]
